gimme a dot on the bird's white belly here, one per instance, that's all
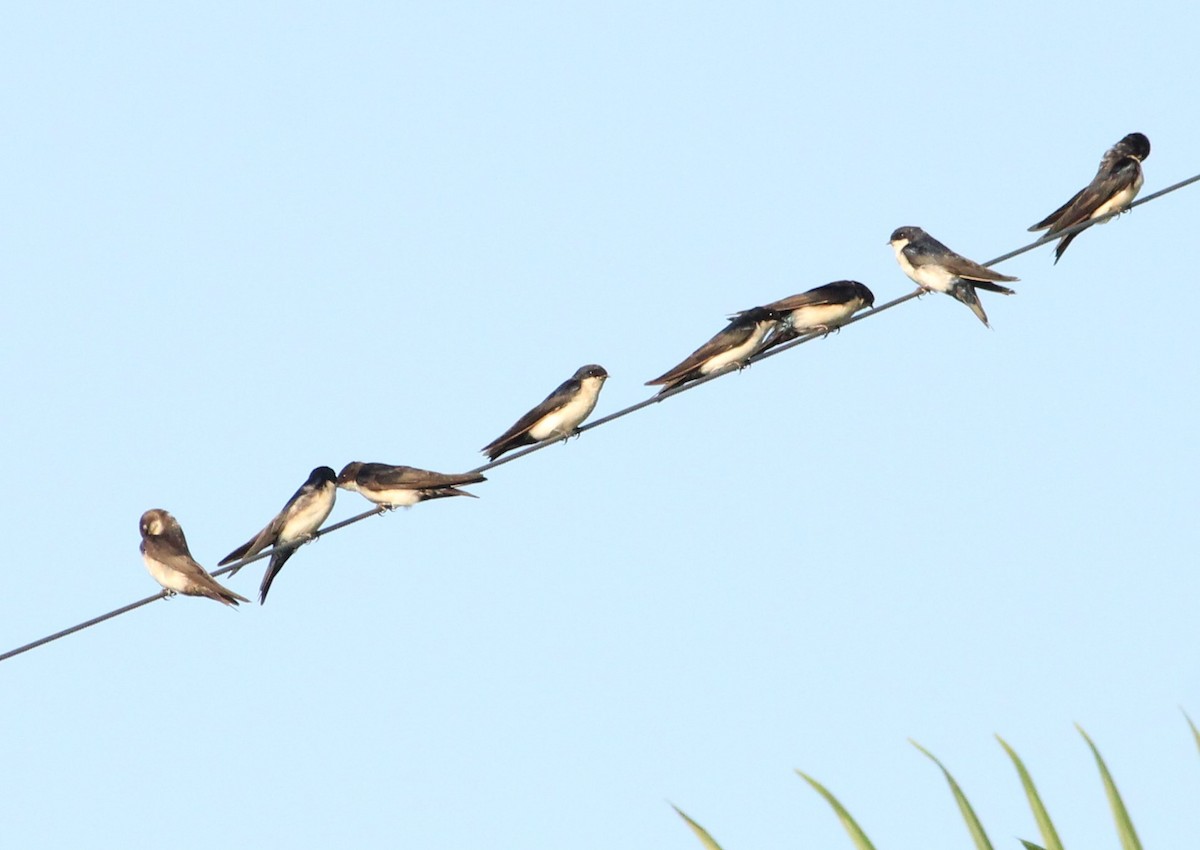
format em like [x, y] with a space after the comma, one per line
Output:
[397, 497]
[929, 277]
[934, 278]
[559, 423]
[821, 315]
[168, 578]
[1119, 200]
[308, 520]
[566, 419]
[735, 355]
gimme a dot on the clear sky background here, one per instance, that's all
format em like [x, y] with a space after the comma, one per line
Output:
[240, 242]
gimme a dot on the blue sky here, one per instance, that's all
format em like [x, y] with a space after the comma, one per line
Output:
[244, 242]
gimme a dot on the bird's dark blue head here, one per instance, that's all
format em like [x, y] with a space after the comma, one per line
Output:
[322, 475]
[861, 290]
[590, 371]
[909, 232]
[1136, 145]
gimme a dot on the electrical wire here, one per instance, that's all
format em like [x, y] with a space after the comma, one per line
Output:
[604, 420]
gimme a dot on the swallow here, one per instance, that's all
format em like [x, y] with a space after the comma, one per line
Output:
[819, 310]
[402, 486]
[1117, 182]
[301, 516]
[733, 346]
[558, 416]
[165, 551]
[934, 267]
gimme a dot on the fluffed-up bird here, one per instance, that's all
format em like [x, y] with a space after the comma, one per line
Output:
[165, 552]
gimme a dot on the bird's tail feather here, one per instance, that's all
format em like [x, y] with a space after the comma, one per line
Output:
[965, 293]
[1062, 246]
[222, 594]
[278, 559]
[993, 287]
[237, 554]
[443, 492]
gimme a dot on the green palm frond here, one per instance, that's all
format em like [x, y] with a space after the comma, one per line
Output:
[1125, 830]
[855, 831]
[701, 833]
[968, 813]
[1045, 826]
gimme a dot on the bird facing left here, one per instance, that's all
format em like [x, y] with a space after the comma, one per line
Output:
[165, 551]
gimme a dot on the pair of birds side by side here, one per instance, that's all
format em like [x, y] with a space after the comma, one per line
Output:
[934, 267]
[819, 310]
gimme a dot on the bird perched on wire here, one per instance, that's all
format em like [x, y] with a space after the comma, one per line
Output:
[731, 348]
[165, 551]
[402, 486]
[934, 267]
[300, 518]
[558, 416]
[819, 310]
[1117, 182]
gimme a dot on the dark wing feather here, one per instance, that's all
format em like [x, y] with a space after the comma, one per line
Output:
[267, 537]
[1097, 193]
[735, 334]
[960, 266]
[411, 478]
[170, 554]
[1057, 214]
[830, 293]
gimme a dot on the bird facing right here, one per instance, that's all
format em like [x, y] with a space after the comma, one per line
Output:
[559, 414]
[819, 310]
[1117, 182]
[732, 347]
[298, 520]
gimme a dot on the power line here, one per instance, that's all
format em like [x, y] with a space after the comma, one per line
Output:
[604, 420]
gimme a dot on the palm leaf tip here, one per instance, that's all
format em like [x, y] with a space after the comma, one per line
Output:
[1045, 825]
[1192, 726]
[964, 806]
[1124, 824]
[848, 823]
[701, 833]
